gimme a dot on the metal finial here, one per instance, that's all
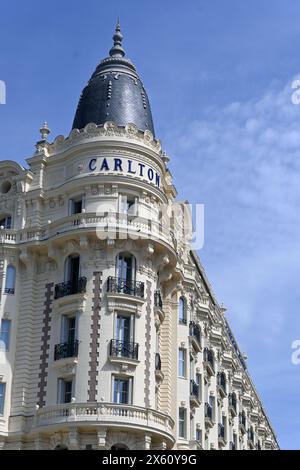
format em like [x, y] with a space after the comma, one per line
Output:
[117, 49]
[45, 131]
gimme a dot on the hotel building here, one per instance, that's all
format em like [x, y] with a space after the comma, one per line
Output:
[111, 336]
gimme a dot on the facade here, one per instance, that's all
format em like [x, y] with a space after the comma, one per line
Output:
[111, 337]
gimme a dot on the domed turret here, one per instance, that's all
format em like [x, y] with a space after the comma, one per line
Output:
[114, 93]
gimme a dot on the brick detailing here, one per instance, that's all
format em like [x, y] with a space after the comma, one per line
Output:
[45, 344]
[95, 336]
[148, 345]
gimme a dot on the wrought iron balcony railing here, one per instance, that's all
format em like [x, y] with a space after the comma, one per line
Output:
[9, 290]
[209, 357]
[194, 389]
[64, 350]
[158, 299]
[195, 331]
[208, 411]
[157, 361]
[221, 431]
[124, 349]
[70, 287]
[122, 286]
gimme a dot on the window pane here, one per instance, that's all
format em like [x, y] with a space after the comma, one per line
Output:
[10, 280]
[5, 333]
[121, 391]
[181, 363]
[181, 422]
[2, 396]
[181, 309]
[67, 391]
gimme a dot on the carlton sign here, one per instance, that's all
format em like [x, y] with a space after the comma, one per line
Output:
[124, 166]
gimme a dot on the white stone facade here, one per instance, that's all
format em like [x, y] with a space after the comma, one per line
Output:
[87, 361]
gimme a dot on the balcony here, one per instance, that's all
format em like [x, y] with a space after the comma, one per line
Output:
[158, 372]
[124, 349]
[209, 361]
[70, 288]
[9, 290]
[194, 393]
[208, 412]
[242, 422]
[232, 404]
[221, 382]
[122, 286]
[111, 415]
[65, 350]
[195, 336]
[221, 435]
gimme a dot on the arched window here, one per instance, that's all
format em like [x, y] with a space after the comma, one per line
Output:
[126, 267]
[182, 311]
[10, 279]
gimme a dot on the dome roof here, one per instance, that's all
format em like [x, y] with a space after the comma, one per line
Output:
[114, 93]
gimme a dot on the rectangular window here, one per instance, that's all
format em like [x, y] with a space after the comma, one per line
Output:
[124, 327]
[199, 383]
[65, 390]
[128, 205]
[122, 391]
[212, 404]
[181, 362]
[69, 329]
[182, 423]
[75, 206]
[192, 428]
[2, 397]
[199, 435]
[5, 333]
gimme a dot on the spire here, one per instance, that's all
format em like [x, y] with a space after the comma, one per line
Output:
[117, 49]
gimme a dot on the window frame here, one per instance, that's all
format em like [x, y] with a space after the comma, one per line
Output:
[127, 210]
[2, 398]
[73, 201]
[182, 362]
[61, 392]
[182, 423]
[116, 379]
[182, 311]
[8, 332]
[10, 289]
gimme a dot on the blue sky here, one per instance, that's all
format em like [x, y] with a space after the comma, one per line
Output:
[218, 74]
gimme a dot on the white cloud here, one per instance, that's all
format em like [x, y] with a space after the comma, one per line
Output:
[243, 162]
